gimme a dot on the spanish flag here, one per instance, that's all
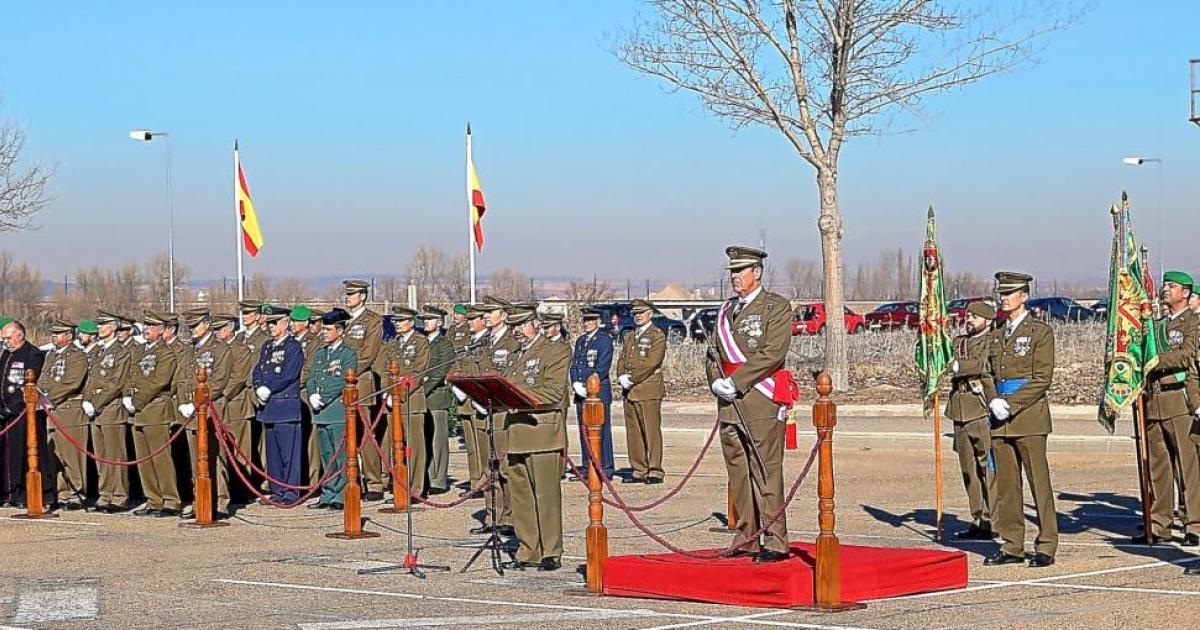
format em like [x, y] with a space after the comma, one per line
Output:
[251, 236]
[474, 195]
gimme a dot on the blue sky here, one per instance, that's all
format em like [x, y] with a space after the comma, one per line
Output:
[351, 119]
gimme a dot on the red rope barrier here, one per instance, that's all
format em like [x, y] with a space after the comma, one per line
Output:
[113, 462]
[249, 463]
[18, 420]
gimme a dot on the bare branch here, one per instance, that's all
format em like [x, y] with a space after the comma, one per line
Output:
[23, 193]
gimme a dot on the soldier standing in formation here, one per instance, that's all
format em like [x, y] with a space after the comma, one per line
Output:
[536, 439]
[325, 384]
[209, 353]
[61, 382]
[472, 360]
[301, 316]
[107, 374]
[1021, 360]
[1173, 396]
[239, 399]
[410, 350]
[971, 387]
[500, 352]
[438, 399]
[18, 356]
[148, 399]
[364, 333]
[754, 330]
[276, 381]
[593, 355]
[640, 368]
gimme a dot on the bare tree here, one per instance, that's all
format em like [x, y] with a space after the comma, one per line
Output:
[258, 288]
[822, 71]
[803, 278]
[23, 192]
[458, 282]
[389, 289]
[156, 275]
[291, 291]
[588, 292]
[510, 284]
[427, 271]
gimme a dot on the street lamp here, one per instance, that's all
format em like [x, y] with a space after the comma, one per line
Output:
[1139, 161]
[145, 135]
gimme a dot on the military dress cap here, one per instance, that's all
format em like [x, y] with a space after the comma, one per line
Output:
[87, 326]
[460, 308]
[475, 311]
[491, 303]
[550, 317]
[315, 315]
[741, 257]
[641, 306]
[158, 318]
[521, 315]
[1012, 281]
[107, 317]
[300, 313]
[1179, 277]
[126, 322]
[432, 312]
[196, 316]
[590, 313]
[60, 326]
[335, 317]
[982, 309]
[221, 320]
[403, 313]
[273, 313]
[250, 306]
[355, 286]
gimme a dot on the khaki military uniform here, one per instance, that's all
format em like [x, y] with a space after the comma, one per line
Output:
[971, 387]
[535, 443]
[153, 366]
[212, 355]
[412, 354]
[642, 354]
[762, 330]
[1019, 443]
[438, 402]
[309, 343]
[500, 357]
[1173, 397]
[63, 377]
[364, 333]
[473, 424]
[108, 373]
[238, 395]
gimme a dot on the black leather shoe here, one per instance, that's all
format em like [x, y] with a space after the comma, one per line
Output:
[71, 506]
[318, 506]
[335, 506]
[518, 565]
[220, 515]
[1190, 539]
[975, 533]
[549, 564]
[433, 492]
[506, 530]
[1040, 561]
[1000, 558]
[650, 481]
[145, 511]
[1192, 569]
[736, 553]
[372, 496]
[165, 512]
[1142, 539]
[632, 480]
[767, 555]
[482, 529]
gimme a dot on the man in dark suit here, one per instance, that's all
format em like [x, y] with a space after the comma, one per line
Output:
[593, 355]
[277, 389]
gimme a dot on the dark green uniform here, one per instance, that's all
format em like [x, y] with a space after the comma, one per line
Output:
[971, 387]
[439, 403]
[472, 422]
[1173, 397]
[327, 379]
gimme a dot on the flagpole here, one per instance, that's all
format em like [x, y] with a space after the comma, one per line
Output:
[937, 460]
[470, 216]
[237, 227]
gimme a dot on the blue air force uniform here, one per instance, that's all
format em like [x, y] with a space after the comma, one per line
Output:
[277, 375]
[594, 355]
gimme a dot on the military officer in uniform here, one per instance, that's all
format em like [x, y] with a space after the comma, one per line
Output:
[971, 388]
[1194, 301]
[63, 378]
[148, 399]
[276, 381]
[1021, 360]
[552, 327]
[253, 334]
[411, 350]
[86, 332]
[364, 333]
[500, 351]
[593, 355]
[239, 399]
[1172, 402]
[302, 317]
[472, 360]
[536, 439]
[127, 332]
[325, 384]
[746, 372]
[18, 356]
[640, 368]
[459, 332]
[108, 372]
[438, 399]
[208, 352]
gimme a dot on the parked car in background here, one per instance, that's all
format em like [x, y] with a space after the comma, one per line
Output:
[702, 322]
[809, 319]
[956, 310]
[1061, 309]
[893, 316]
[1101, 308]
[620, 323]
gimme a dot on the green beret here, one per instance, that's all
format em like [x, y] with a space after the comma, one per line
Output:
[460, 309]
[982, 309]
[1195, 289]
[301, 313]
[1178, 277]
[742, 257]
[87, 326]
[4, 321]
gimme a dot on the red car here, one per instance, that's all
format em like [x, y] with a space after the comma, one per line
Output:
[809, 319]
[894, 315]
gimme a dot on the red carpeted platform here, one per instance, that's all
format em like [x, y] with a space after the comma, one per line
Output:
[867, 573]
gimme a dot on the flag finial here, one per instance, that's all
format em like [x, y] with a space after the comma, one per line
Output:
[468, 127]
[931, 212]
[1124, 196]
[235, 148]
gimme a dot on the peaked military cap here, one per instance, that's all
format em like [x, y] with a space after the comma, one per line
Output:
[475, 311]
[335, 317]
[741, 257]
[432, 312]
[196, 316]
[641, 306]
[156, 318]
[221, 320]
[87, 326]
[521, 315]
[107, 317]
[250, 306]
[315, 315]
[300, 313]
[550, 317]
[1011, 281]
[1178, 277]
[355, 286]
[982, 309]
[403, 313]
[590, 313]
[126, 322]
[273, 313]
[491, 303]
[58, 326]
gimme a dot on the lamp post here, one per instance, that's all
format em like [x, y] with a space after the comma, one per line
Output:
[1139, 161]
[145, 135]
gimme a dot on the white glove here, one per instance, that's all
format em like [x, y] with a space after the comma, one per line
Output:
[315, 401]
[1197, 414]
[480, 408]
[263, 393]
[89, 408]
[459, 394]
[626, 381]
[724, 389]
[128, 403]
[387, 400]
[999, 408]
[580, 390]
[954, 366]
[187, 410]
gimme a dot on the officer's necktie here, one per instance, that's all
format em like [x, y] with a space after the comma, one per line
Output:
[737, 308]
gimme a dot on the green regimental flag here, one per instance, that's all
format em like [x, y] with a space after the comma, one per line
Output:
[934, 345]
[1131, 346]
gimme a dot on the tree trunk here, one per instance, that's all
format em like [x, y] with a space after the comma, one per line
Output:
[830, 226]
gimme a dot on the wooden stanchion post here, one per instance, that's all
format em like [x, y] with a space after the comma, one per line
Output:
[352, 499]
[202, 488]
[33, 478]
[400, 498]
[828, 573]
[597, 533]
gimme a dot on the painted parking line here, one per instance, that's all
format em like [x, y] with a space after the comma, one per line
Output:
[52, 521]
[757, 619]
[494, 621]
[1092, 587]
